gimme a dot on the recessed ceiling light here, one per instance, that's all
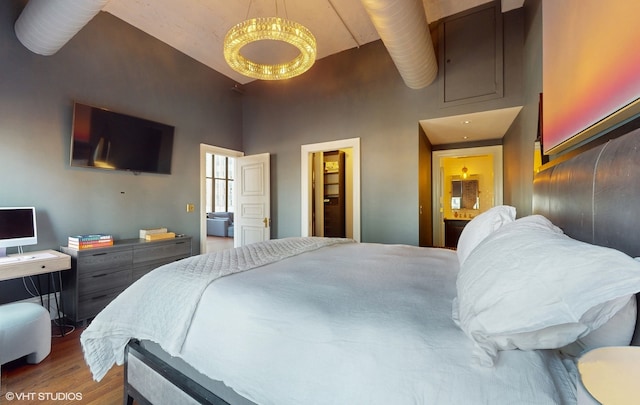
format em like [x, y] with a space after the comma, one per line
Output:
[466, 122]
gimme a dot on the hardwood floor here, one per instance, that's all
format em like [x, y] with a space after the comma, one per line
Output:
[62, 378]
[215, 243]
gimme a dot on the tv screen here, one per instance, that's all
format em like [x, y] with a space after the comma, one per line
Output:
[109, 140]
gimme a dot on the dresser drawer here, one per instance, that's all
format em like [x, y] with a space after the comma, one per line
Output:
[90, 304]
[89, 263]
[103, 280]
[142, 269]
[162, 251]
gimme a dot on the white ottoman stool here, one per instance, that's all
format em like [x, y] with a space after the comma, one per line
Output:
[25, 330]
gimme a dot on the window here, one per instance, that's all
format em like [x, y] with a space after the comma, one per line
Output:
[219, 183]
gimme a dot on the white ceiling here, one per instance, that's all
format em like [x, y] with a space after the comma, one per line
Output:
[480, 126]
[197, 28]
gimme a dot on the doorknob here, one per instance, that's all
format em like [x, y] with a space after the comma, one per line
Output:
[266, 222]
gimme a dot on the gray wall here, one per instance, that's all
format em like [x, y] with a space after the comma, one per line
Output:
[359, 93]
[519, 140]
[108, 64]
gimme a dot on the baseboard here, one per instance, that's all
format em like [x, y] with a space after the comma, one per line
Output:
[53, 308]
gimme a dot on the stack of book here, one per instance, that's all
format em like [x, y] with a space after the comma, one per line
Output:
[156, 234]
[80, 242]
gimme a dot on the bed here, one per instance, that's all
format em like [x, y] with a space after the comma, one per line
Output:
[325, 320]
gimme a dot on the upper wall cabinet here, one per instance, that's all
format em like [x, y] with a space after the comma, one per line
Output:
[471, 56]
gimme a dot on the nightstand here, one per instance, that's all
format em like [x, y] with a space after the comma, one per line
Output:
[609, 375]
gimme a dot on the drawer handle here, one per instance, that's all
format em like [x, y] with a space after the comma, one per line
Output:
[98, 297]
[99, 254]
[180, 243]
[100, 275]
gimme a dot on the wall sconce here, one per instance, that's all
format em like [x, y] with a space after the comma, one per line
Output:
[464, 172]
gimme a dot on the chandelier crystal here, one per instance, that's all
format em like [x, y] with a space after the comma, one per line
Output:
[270, 28]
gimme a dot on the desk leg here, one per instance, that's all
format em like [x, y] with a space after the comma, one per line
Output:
[40, 291]
[59, 305]
[50, 281]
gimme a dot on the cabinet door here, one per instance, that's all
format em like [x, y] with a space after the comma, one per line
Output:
[452, 231]
[471, 56]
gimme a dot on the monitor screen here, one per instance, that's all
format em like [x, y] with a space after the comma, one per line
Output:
[17, 227]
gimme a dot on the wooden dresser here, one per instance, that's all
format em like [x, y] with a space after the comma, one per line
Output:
[98, 275]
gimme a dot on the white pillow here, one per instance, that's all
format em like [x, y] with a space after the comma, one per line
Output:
[526, 286]
[538, 221]
[617, 331]
[482, 226]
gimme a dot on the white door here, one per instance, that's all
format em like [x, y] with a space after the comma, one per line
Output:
[252, 218]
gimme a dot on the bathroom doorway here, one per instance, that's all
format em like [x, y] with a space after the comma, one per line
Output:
[466, 182]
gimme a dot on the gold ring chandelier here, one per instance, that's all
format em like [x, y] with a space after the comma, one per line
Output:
[270, 28]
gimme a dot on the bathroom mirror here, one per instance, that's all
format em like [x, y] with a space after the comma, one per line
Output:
[464, 195]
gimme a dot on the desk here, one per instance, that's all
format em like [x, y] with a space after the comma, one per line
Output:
[35, 264]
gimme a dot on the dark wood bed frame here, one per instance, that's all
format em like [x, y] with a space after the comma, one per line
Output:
[589, 196]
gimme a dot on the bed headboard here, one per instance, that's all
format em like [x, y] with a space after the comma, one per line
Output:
[595, 196]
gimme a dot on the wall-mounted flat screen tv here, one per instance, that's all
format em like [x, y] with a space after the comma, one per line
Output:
[109, 140]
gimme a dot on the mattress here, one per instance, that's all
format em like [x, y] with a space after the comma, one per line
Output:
[357, 323]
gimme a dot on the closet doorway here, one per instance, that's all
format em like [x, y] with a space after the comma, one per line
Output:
[325, 193]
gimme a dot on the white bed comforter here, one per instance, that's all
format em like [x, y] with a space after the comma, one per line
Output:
[159, 307]
[357, 324]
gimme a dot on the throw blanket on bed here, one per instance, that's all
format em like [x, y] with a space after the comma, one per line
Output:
[159, 307]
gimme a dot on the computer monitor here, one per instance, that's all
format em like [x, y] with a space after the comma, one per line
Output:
[17, 227]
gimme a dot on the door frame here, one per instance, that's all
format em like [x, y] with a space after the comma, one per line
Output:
[438, 182]
[305, 179]
[215, 150]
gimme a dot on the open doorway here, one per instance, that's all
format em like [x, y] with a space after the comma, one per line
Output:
[216, 197]
[331, 190]
[466, 182]
[315, 161]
